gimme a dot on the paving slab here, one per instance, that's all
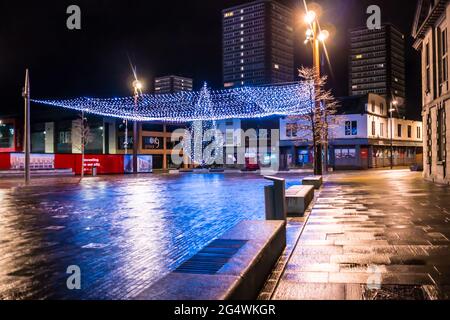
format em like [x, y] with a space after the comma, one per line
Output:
[373, 235]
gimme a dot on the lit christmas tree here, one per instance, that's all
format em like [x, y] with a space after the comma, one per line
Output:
[199, 132]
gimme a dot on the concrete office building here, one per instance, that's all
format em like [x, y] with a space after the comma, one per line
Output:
[173, 84]
[377, 64]
[258, 44]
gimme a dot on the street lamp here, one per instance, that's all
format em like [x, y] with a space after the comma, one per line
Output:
[310, 17]
[27, 129]
[316, 36]
[137, 86]
[394, 105]
[323, 35]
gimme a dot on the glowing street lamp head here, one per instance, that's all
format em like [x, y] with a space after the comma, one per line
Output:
[310, 17]
[137, 85]
[324, 35]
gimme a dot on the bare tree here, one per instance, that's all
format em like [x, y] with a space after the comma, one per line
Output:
[314, 124]
[82, 127]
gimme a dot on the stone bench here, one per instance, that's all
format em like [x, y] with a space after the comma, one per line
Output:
[233, 267]
[298, 199]
[315, 181]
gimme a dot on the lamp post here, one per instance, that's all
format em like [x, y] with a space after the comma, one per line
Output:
[391, 112]
[316, 36]
[125, 143]
[27, 144]
[137, 86]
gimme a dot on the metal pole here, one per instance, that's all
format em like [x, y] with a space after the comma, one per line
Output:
[316, 64]
[26, 145]
[135, 136]
[392, 140]
[125, 144]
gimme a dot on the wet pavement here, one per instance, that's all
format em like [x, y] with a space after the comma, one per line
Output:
[124, 232]
[373, 235]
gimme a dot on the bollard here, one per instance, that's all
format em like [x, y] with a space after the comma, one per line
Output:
[275, 199]
[269, 202]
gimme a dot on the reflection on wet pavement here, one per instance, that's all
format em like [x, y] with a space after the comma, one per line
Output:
[123, 232]
[373, 235]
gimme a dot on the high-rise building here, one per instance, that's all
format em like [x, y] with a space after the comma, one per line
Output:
[172, 84]
[258, 44]
[377, 64]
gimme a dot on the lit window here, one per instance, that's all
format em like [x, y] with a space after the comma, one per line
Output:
[351, 128]
[242, 75]
[242, 25]
[242, 10]
[242, 68]
[242, 39]
[276, 66]
[242, 60]
[228, 84]
[242, 32]
[242, 18]
[242, 54]
[242, 82]
[229, 14]
[242, 47]
[359, 56]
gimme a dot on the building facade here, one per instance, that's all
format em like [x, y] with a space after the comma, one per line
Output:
[377, 64]
[361, 136]
[173, 84]
[431, 35]
[10, 138]
[62, 136]
[258, 44]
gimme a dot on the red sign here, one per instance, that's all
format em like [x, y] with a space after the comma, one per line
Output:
[364, 154]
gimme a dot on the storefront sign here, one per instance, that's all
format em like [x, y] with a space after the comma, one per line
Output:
[152, 143]
[145, 163]
[37, 161]
[89, 164]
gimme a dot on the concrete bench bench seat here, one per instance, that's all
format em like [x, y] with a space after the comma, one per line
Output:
[315, 181]
[298, 199]
[233, 267]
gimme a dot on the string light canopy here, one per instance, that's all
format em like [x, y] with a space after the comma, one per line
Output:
[243, 102]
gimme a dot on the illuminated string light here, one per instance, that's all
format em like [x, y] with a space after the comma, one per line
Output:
[198, 130]
[244, 102]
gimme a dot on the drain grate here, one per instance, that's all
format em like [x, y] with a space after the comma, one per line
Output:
[211, 258]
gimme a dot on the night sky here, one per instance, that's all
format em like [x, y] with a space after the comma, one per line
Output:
[161, 37]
